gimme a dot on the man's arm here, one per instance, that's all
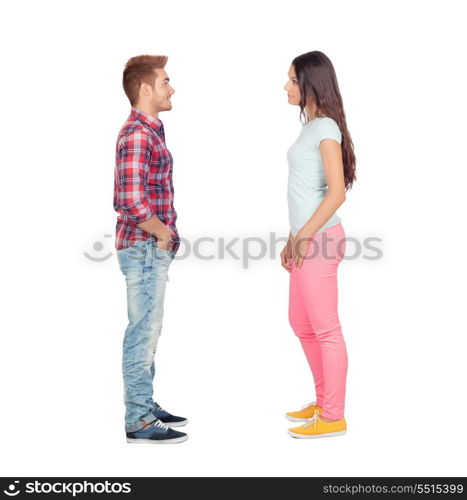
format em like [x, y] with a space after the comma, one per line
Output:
[131, 174]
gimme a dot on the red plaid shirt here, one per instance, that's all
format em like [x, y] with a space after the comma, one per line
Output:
[143, 180]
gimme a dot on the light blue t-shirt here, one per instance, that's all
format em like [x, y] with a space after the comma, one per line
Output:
[307, 184]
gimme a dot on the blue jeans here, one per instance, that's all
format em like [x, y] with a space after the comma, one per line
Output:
[145, 267]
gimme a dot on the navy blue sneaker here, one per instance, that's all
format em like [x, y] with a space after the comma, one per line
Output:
[156, 433]
[168, 418]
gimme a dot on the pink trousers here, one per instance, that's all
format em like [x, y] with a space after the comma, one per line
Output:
[313, 316]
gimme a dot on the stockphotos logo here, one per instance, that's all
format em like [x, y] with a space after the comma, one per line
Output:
[74, 488]
[12, 490]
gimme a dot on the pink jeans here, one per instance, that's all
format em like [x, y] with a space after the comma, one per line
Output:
[313, 315]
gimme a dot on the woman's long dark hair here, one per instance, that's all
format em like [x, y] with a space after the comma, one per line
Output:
[317, 79]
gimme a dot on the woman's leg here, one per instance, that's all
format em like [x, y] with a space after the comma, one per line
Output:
[301, 325]
[317, 281]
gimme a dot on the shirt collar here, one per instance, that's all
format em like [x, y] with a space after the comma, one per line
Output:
[154, 123]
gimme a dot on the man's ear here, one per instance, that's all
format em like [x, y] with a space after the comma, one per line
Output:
[146, 89]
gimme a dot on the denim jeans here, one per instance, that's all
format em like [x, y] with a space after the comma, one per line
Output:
[145, 267]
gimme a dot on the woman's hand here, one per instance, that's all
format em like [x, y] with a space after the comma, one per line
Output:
[300, 247]
[287, 254]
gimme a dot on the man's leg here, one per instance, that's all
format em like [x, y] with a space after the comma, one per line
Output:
[158, 277]
[146, 276]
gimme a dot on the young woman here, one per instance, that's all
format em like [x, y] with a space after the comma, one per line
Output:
[321, 170]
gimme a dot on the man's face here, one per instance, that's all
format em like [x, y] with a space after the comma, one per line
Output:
[158, 97]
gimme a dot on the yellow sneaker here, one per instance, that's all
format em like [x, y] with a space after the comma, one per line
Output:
[315, 428]
[304, 414]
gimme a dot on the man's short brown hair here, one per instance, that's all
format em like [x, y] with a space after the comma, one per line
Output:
[140, 69]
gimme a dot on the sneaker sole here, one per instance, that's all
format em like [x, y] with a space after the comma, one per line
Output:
[296, 419]
[157, 441]
[177, 424]
[326, 434]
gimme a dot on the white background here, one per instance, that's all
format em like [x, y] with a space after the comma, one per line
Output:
[227, 358]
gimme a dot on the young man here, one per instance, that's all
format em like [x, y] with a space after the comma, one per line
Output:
[146, 241]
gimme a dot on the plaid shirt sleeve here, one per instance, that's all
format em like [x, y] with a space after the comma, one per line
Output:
[131, 173]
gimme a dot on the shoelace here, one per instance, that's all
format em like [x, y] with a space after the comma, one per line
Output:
[159, 407]
[304, 407]
[159, 423]
[313, 420]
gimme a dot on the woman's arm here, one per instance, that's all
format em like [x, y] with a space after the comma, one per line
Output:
[331, 156]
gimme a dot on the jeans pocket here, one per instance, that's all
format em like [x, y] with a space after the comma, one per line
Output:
[136, 252]
[165, 254]
[131, 261]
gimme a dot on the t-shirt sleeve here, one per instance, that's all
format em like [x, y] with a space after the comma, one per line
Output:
[327, 128]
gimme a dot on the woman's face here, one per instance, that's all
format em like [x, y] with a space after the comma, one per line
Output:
[293, 90]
